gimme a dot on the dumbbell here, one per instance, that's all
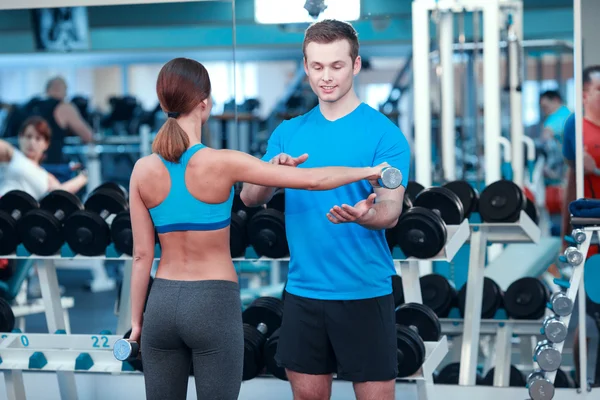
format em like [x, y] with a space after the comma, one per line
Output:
[390, 234]
[503, 201]
[413, 188]
[7, 316]
[449, 375]
[13, 205]
[240, 215]
[578, 235]
[438, 294]
[421, 232]
[121, 234]
[87, 232]
[41, 229]
[493, 299]
[561, 304]
[266, 228]
[415, 324]
[516, 378]
[572, 256]
[554, 329]
[547, 356]
[129, 351]
[468, 195]
[540, 387]
[526, 298]
[391, 178]
[262, 317]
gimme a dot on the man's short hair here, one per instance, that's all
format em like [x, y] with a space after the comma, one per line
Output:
[588, 72]
[54, 80]
[551, 95]
[329, 31]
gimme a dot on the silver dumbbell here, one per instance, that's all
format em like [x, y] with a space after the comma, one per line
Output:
[573, 255]
[561, 304]
[540, 387]
[578, 236]
[554, 329]
[547, 357]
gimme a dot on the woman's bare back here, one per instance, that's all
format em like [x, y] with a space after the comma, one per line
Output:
[190, 255]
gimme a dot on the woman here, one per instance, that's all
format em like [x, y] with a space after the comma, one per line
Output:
[185, 191]
[20, 168]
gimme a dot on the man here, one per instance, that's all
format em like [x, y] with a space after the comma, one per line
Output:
[339, 308]
[556, 114]
[63, 118]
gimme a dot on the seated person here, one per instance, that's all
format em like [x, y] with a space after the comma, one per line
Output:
[20, 168]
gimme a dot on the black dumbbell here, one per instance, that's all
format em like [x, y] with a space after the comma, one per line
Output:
[526, 298]
[262, 317]
[41, 229]
[516, 378]
[503, 201]
[87, 232]
[7, 317]
[13, 205]
[493, 299]
[438, 294]
[413, 189]
[266, 229]
[449, 375]
[415, 324]
[240, 215]
[468, 195]
[421, 232]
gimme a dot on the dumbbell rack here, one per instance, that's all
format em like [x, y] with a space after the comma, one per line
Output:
[435, 352]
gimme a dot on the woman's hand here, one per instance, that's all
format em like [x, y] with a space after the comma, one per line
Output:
[136, 334]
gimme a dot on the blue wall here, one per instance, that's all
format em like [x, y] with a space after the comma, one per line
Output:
[208, 25]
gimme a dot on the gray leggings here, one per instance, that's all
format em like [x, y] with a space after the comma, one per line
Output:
[193, 321]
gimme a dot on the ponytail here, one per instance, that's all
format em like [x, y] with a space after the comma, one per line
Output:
[171, 141]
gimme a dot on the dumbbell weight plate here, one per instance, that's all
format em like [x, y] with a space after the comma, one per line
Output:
[449, 375]
[270, 349]
[40, 231]
[238, 240]
[532, 211]
[121, 234]
[421, 233]
[516, 378]
[113, 186]
[266, 310]
[411, 351]
[501, 201]
[526, 298]
[9, 202]
[466, 193]
[253, 352]
[445, 201]
[7, 317]
[413, 189]
[266, 231]
[492, 299]
[422, 318]
[562, 380]
[137, 363]
[438, 294]
[277, 201]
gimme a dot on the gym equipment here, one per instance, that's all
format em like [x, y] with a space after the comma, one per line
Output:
[391, 178]
[121, 233]
[492, 299]
[390, 234]
[444, 202]
[128, 351]
[41, 229]
[547, 357]
[438, 294]
[87, 232]
[266, 229]
[397, 290]
[450, 373]
[561, 304]
[540, 387]
[526, 298]
[578, 236]
[516, 379]
[413, 189]
[468, 195]
[13, 205]
[7, 317]
[532, 211]
[262, 317]
[562, 380]
[415, 324]
[502, 201]
[270, 349]
[240, 215]
[554, 329]
[573, 256]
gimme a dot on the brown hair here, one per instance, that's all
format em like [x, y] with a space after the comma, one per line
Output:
[40, 125]
[329, 31]
[181, 85]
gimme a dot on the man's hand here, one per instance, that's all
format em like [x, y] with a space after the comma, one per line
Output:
[346, 213]
[286, 159]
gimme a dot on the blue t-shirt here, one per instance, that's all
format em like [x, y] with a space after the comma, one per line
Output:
[556, 122]
[569, 138]
[337, 261]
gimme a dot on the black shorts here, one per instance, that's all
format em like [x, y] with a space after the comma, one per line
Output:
[354, 338]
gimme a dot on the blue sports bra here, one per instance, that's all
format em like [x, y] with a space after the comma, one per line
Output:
[180, 211]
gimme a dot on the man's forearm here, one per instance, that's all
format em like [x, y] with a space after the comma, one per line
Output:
[383, 215]
[256, 195]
